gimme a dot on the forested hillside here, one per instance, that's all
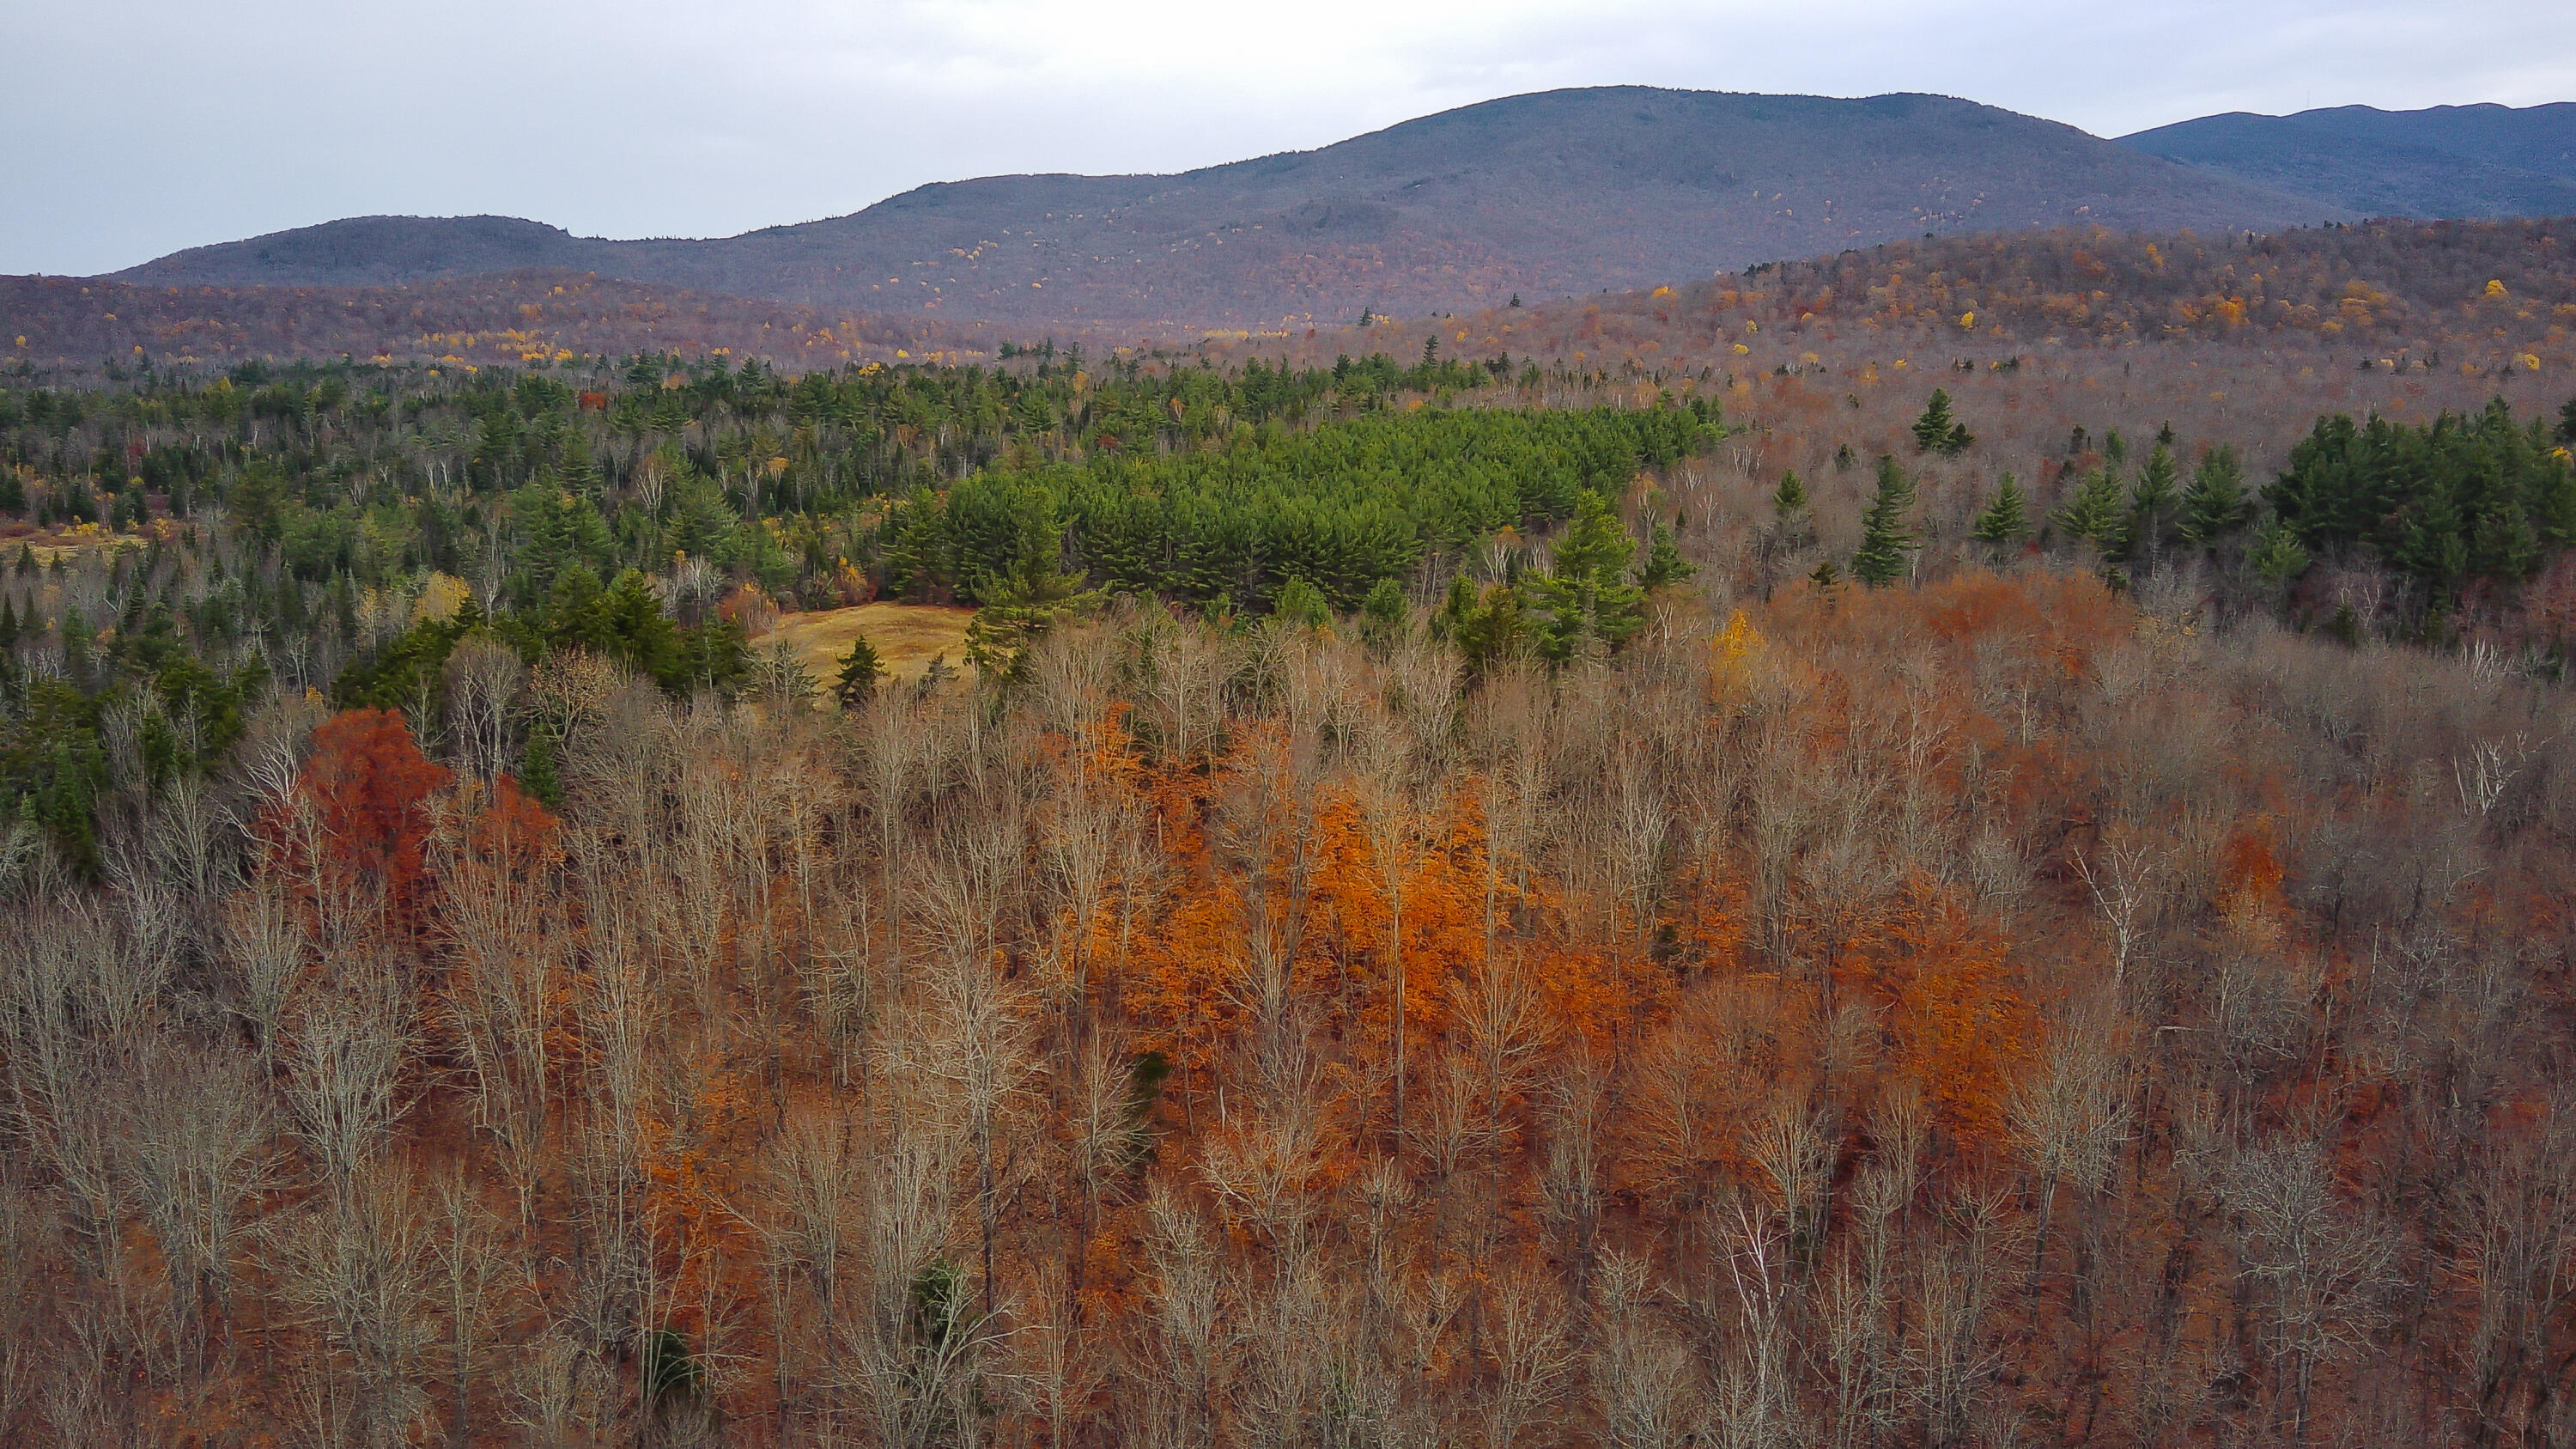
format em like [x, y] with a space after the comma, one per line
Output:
[2445, 161]
[1550, 194]
[508, 319]
[1447, 901]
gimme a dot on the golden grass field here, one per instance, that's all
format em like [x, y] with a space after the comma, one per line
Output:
[906, 637]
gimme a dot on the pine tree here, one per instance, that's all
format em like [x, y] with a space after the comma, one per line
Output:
[1025, 601]
[1302, 605]
[2215, 504]
[2276, 553]
[860, 671]
[537, 772]
[1486, 626]
[2097, 514]
[2153, 497]
[1384, 613]
[1790, 500]
[1587, 598]
[1936, 431]
[1886, 541]
[2006, 519]
[1664, 566]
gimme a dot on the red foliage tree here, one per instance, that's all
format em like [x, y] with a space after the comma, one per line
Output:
[364, 797]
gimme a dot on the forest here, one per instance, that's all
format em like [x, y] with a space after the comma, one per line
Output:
[1452, 900]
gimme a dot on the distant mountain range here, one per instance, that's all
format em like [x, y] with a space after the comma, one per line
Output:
[2449, 161]
[1539, 195]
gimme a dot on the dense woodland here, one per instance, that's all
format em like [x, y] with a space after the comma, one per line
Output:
[1458, 903]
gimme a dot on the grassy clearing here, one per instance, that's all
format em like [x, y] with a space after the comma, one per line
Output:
[906, 636]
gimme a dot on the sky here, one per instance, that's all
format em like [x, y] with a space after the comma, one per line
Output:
[132, 128]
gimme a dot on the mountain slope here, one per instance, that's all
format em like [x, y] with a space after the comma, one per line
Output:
[2446, 162]
[1544, 195]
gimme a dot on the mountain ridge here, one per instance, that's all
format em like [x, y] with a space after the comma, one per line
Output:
[1546, 194]
[2451, 162]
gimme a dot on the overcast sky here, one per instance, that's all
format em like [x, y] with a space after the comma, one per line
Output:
[131, 128]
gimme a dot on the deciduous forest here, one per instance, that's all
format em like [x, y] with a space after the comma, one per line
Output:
[1483, 897]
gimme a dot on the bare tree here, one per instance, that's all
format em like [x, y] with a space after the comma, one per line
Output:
[2069, 1118]
[1531, 1353]
[1640, 1372]
[1058, 1365]
[344, 1064]
[1399, 842]
[502, 915]
[198, 1152]
[265, 947]
[356, 1272]
[1575, 1100]
[2515, 1218]
[483, 678]
[465, 1272]
[2323, 1268]
[1189, 1342]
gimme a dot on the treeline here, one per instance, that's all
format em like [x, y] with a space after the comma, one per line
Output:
[2378, 284]
[2454, 513]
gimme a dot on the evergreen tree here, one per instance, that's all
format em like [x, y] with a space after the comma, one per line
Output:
[1585, 597]
[1301, 604]
[1024, 603]
[2096, 513]
[860, 671]
[1936, 431]
[2153, 497]
[2276, 553]
[537, 772]
[2215, 504]
[1887, 542]
[2005, 520]
[1486, 626]
[1385, 613]
[1790, 499]
[2567, 423]
[1790, 532]
[1664, 566]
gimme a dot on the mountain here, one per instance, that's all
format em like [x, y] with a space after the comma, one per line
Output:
[2445, 162]
[1543, 195]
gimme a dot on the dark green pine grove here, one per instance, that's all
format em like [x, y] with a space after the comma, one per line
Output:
[348, 530]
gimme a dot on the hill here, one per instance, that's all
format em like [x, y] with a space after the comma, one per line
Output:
[1540, 195]
[504, 318]
[2448, 161]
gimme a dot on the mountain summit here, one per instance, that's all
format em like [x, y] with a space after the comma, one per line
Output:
[1537, 195]
[2460, 162]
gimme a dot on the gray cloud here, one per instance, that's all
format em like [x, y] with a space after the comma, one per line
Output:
[136, 127]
